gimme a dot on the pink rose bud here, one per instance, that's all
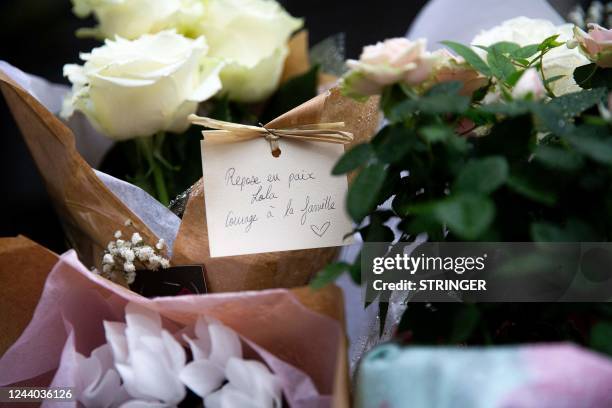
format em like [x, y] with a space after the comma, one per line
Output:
[397, 60]
[530, 84]
[595, 45]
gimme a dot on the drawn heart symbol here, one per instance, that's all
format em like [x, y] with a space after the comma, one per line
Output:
[320, 231]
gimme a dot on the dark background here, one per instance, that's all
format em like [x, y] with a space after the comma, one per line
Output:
[37, 36]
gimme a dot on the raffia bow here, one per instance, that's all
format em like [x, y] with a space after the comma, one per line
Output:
[228, 132]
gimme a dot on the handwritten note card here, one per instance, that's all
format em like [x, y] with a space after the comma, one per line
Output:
[259, 203]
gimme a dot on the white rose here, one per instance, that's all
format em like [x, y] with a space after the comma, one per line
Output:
[137, 88]
[525, 31]
[132, 18]
[252, 36]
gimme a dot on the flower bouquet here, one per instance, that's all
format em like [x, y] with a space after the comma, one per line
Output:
[127, 116]
[504, 140]
[113, 347]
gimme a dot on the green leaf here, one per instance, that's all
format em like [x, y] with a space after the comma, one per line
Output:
[500, 65]
[470, 57]
[592, 141]
[354, 158]
[526, 51]
[552, 118]
[601, 333]
[329, 274]
[514, 77]
[583, 75]
[445, 88]
[393, 142]
[553, 79]
[531, 187]
[466, 215]
[436, 133]
[430, 104]
[482, 175]
[591, 76]
[574, 230]
[423, 223]
[376, 231]
[505, 47]
[558, 158]
[355, 270]
[363, 193]
[465, 322]
[573, 104]
[511, 108]
[550, 42]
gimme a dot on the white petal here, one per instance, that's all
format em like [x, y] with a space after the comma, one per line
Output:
[254, 379]
[225, 344]
[144, 404]
[174, 352]
[108, 393]
[202, 377]
[115, 337]
[88, 371]
[211, 83]
[154, 378]
[142, 320]
[199, 349]
[229, 397]
[129, 381]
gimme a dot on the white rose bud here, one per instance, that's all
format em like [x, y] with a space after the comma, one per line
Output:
[529, 85]
[252, 36]
[132, 18]
[137, 88]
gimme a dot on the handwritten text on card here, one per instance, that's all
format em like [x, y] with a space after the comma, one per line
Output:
[259, 203]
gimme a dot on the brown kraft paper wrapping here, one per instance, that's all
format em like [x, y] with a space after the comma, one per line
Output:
[90, 213]
[272, 269]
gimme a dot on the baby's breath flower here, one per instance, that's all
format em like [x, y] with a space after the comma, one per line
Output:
[128, 223]
[144, 253]
[136, 238]
[123, 257]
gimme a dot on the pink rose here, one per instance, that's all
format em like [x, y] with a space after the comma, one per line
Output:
[397, 60]
[450, 67]
[596, 44]
[530, 84]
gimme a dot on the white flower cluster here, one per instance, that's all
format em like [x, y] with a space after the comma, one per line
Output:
[163, 57]
[121, 257]
[144, 365]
